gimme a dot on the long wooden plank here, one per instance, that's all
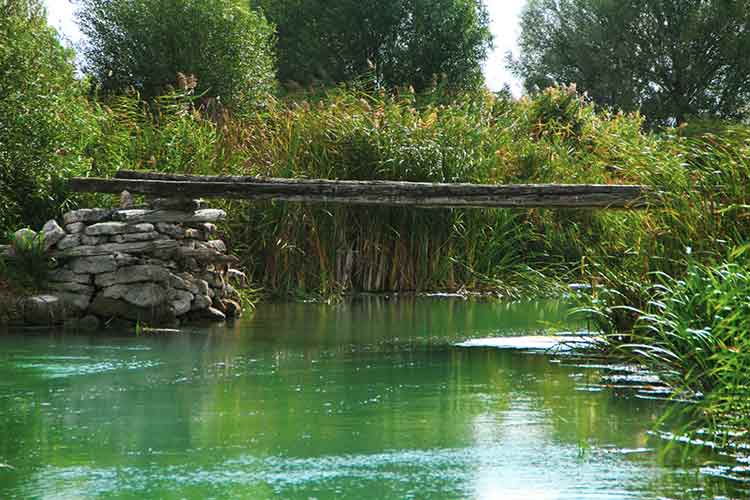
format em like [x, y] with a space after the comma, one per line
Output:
[391, 193]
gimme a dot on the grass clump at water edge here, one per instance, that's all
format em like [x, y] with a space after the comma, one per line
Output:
[693, 332]
[24, 269]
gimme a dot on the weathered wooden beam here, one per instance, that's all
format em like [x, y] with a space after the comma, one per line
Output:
[419, 194]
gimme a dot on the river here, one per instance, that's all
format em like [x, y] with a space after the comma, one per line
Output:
[370, 399]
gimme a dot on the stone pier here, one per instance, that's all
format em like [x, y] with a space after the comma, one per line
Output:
[158, 265]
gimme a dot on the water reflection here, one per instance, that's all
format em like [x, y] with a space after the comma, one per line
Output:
[305, 401]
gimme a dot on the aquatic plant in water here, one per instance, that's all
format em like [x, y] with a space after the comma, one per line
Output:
[693, 331]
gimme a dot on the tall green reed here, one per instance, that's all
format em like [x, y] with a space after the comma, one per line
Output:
[693, 332]
[346, 133]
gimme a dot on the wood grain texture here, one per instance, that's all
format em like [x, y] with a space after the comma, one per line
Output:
[387, 193]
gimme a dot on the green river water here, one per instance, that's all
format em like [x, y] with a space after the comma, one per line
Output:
[364, 400]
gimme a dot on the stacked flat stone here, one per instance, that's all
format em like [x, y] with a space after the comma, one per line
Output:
[160, 265]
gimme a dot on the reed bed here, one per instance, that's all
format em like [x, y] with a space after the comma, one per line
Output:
[346, 133]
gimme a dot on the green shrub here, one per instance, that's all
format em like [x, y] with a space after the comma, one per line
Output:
[45, 120]
[144, 44]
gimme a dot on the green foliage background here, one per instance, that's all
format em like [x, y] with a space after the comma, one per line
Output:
[672, 59]
[397, 42]
[46, 122]
[144, 44]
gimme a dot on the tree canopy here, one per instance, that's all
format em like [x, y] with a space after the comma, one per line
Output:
[401, 42]
[145, 43]
[672, 59]
[45, 119]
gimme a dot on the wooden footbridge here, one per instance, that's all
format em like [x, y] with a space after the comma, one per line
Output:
[384, 193]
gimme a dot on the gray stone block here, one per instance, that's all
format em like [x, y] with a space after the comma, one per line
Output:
[106, 229]
[67, 275]
[171, 230]
[93, 265]
[129, 238]
[43, 310]
[140, 228]
[24, 238]
[75, 228]
[145, 295]
[199, 216]
[125, 259]
[69, 241]
[93, 240]
[76, 301]
[213, 314]
[133, 274]
[111, 248]
[52, 233]
[113, 308]
[201, 302]
[71, 287]
[181, 301]
[85, 215]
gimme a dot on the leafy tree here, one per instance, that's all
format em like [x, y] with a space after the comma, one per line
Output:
[145, 43]
[45, 119]
[673, 59]
[401, 42]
